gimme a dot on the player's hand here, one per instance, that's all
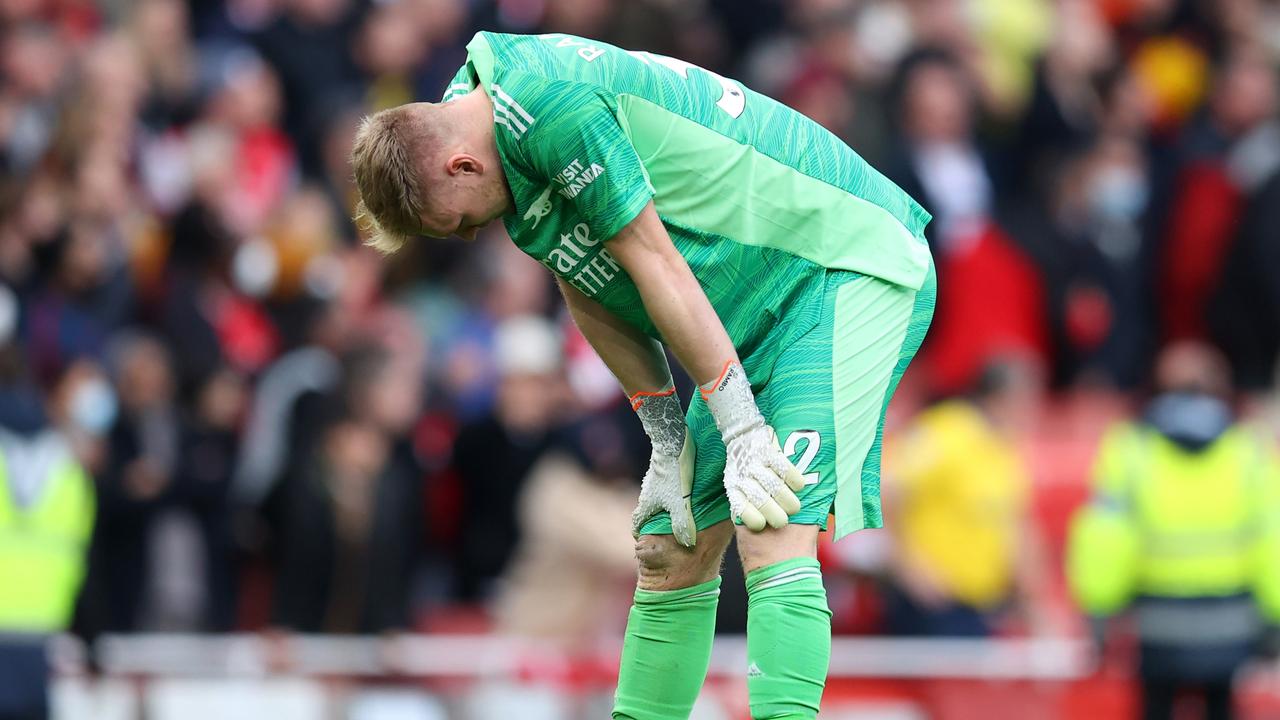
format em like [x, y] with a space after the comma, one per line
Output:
[668, 483]
[759, 480]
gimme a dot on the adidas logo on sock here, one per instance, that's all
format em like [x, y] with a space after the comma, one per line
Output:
[753, 670]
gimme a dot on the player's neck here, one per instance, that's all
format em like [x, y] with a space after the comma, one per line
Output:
[476, 115]
[475, 111]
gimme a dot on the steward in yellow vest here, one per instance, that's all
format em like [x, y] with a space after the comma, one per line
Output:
[1183, 531]
[46, 517]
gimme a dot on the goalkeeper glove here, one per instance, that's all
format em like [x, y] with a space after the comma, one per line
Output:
[668, 484]
[758, 478]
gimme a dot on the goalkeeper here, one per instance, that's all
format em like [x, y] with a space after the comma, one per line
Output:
[790, 279]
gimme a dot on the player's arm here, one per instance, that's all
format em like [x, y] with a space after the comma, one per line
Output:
[757, 473]
[574, 126]
[640, 365]
[635, 359]
[672, 297]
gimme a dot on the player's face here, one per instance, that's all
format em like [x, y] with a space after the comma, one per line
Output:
[465, 200]
[443, 222]
[463, 215]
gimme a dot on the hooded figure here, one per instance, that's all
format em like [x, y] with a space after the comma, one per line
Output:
[1183, 532]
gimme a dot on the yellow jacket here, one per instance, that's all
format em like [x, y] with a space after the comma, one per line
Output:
[1170, 523]
[959, 501]
[44, 537]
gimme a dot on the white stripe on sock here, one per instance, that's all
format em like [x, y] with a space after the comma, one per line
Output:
[775, 582]
[788, 581]
[792, 571]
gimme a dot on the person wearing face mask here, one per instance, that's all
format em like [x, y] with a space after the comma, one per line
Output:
[1100, 254]
[46, 515]
[1183, 532]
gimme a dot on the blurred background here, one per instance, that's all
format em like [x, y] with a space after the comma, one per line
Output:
[249, 469]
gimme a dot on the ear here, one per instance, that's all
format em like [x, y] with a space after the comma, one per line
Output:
[463, 164]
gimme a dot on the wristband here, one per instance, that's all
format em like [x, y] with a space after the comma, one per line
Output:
[731, 402]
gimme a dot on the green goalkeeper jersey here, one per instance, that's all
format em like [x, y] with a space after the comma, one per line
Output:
[759, 199]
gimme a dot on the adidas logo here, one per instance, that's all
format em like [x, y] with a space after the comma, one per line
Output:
[753, 670]
[508, 113]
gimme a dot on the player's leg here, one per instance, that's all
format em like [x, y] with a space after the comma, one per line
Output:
[788, 621]
[826, 399]
[667, 645]
[673, 618]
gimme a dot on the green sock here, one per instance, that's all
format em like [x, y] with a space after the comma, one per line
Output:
[788, 639]
[666, 652]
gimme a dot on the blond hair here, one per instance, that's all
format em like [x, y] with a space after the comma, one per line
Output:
[386, 175]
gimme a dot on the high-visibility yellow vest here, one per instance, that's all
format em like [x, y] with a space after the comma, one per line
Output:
[1167, 522]
[43, 547]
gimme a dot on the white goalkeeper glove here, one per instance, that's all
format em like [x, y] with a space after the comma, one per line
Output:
[758, 478]
[668, 484]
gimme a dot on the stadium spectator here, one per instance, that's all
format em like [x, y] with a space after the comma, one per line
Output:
[1245, 312]
[275, 426]
[243, 101]
[941, 160]
[351, 530]
[85, 299]
[83, 406]
[35, 66]
[965, 548]
[46, 518]
[1099, 224]
[1230, 153]
[1181, 532]
[202, 503]
[994, 300]
[309, 45]
[160, 32]
[1103, 174]
[493, 455]
[388, 47]
[126, 588]
[1064, 111]
[1085, 205]
[566, 511]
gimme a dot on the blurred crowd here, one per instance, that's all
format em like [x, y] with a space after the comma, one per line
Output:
[282, 429]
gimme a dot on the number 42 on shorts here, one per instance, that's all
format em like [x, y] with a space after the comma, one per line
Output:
[812, 440]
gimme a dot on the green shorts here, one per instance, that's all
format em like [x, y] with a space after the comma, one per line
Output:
[826, 398]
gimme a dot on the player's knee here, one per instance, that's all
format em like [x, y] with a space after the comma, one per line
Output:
[665, 564]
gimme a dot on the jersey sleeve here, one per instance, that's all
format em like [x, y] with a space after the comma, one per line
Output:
[461, 84]
[577, 146]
